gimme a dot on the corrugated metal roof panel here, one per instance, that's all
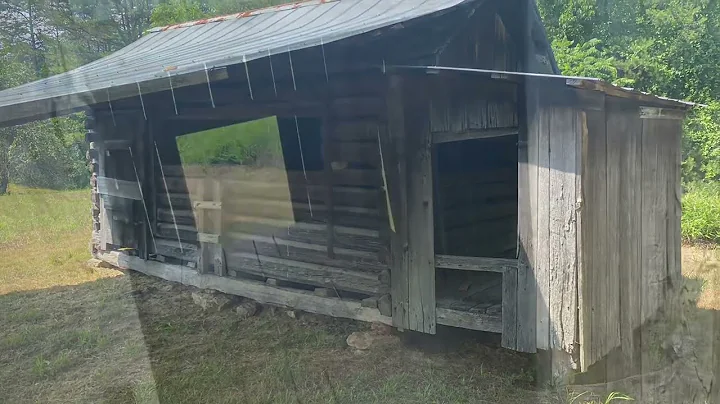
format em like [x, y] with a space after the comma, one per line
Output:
[193, 47]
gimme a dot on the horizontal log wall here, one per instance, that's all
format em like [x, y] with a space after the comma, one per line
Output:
[276, 223]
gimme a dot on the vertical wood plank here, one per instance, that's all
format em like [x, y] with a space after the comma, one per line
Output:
[527, 223]
[563, 297]
[580, 157]
[654, 211]
[629, 214]
[438, 204]
[421, 239]
[654, 244]
[617, 136]
[594, 211]
[396, 167]
[509, 308]
[542, 237]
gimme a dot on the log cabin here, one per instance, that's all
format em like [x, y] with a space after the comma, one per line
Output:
[431, 168]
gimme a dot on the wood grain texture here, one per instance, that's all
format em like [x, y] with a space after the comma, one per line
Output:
[481, 264]
[562, 251]
[396, 166]
[509, 308]
[594, 247]
[542, 236]
[307, 273]
[421, 239]
[654, 216]
[527, 226]
[258, 291]
[628, 231]
[617, 131]
[119, 188]
[468, 320]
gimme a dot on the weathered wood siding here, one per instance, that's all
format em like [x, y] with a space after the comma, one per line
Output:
[410, 189]
[630, 233]
[550, 189]
[318, 226]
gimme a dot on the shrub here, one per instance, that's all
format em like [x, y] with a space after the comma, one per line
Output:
[701, 212]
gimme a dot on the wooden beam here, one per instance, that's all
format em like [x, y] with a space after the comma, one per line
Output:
[481, 264]
[307, 273]
[421, 238]
[661, 113]
[260, 292]
[447, 137]
[509, 308]
[118, 188]
[468, 320]
[396, 164]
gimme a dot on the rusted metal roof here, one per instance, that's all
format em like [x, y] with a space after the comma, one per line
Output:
[199, 50]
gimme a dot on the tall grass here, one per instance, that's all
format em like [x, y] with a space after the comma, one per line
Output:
[29, 214]
[250, 143]
[701, 212]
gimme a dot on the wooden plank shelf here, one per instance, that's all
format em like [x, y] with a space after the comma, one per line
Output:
[474, 263]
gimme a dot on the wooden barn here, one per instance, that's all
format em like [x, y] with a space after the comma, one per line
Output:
[432, 168]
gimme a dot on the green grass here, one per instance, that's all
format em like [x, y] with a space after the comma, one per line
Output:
[250, 143]
[74, 334]
[28, 214]
[701, 212]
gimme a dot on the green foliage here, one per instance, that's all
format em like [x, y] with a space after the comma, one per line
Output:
[665, 47]
[254, 143]
[702, 144]
[701, 212]
[586, 60]
[177, 11]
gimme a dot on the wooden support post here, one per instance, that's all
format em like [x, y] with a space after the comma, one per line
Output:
[509, 308]
[413, 268]
[209, 225]
[396, 172]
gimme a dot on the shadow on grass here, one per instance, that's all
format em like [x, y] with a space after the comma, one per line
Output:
[138, 339]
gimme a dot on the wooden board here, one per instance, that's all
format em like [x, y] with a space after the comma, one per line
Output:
[119, 188]
[307, 273]
[470, 321]
[542, 237]
[260, 292]
[527, 225]
[481, 264]
[593, 285]
[509, 308]
[624, 141]
[421, 239]
[654, 210]
[470, 134]
[563, 269]
[618, 129]
[396, 170]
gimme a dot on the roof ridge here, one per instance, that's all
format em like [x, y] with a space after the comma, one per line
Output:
[244, 14]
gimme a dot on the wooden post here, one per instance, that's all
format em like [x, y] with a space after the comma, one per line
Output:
[208, 213]
[413, 267]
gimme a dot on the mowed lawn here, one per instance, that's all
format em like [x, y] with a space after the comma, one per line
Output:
[71, 333]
